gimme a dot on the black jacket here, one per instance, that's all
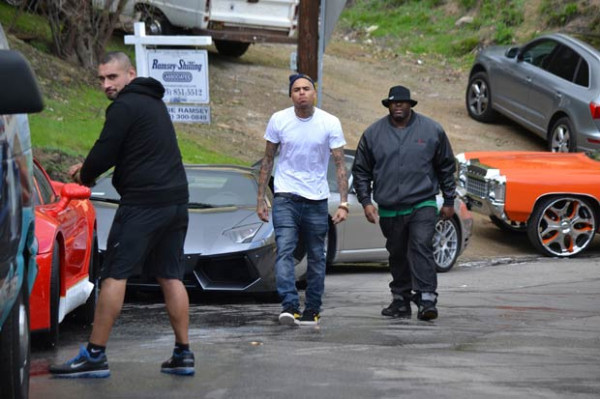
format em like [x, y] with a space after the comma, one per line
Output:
[139, 140]
[405, 166]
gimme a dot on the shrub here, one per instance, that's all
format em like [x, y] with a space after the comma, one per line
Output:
[558, 13]
[504, 34]
[464, 46]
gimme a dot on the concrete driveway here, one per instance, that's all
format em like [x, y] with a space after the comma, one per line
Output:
[506, 331]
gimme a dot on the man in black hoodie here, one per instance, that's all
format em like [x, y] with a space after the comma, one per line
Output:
[149, 228]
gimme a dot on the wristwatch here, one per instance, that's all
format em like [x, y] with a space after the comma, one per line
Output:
[345, 206]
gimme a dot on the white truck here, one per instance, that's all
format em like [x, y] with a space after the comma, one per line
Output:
[232, 24]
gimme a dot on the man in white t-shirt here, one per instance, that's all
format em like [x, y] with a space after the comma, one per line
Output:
[305, 136]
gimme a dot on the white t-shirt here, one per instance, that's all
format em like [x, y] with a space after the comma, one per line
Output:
[304, 149]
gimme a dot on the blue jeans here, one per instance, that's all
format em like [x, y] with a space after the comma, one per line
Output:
[294, 219]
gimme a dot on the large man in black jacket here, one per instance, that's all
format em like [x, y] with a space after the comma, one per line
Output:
[149, 227]
[404, 159]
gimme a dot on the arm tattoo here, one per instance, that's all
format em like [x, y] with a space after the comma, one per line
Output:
[340, 168]
[266, 168]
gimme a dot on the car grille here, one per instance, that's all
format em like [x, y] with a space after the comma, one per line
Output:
[476, 187]
[476, 183]
[231, 272]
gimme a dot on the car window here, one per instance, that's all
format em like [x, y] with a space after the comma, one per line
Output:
[582, 76]
[207, 186]
[222, 188]
[43, 187]
[564, 63]
[538, 53]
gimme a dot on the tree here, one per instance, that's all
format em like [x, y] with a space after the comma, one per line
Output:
[81, 29]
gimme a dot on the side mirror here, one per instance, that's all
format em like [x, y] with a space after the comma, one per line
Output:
[512, 52]
[69, 192]
[75, 191]
[21, 92]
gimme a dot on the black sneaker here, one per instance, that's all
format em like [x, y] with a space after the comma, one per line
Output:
[427, 310]
[309, 318]
[398, 308]
[82, 366]
[289, 317]
[179, 364]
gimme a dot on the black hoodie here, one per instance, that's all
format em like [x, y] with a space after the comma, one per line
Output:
[139, 140]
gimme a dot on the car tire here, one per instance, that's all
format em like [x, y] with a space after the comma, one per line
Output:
[446, 244]
[156, 23]
[230, 48]
[85, 313]
[562, 226]
[15, 348]
[509, 226]
[479, 98]
[562, 136]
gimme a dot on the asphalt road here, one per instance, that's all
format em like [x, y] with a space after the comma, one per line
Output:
[505, 331]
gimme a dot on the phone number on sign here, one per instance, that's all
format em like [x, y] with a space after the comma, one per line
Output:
[190, 114]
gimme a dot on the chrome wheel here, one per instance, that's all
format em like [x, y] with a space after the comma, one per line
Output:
[445, 244]
[561, 137]
[479, 98]
[563, 226]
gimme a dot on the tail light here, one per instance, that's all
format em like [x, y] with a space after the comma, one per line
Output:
[595, 110]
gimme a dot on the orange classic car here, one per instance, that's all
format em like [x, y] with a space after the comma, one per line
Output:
[554, 197]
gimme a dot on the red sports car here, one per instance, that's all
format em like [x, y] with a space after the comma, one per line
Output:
[65, 228]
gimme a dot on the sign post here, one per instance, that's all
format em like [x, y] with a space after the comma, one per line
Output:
[183, 73]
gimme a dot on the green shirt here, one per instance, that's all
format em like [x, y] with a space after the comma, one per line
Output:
[387, 213]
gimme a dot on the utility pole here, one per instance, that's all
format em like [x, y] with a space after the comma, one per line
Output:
[308, 38]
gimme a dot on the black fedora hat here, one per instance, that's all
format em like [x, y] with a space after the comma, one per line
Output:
[398, 93]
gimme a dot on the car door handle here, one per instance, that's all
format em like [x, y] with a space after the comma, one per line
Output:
[558, 94]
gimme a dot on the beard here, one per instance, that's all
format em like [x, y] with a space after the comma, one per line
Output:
[400, 116]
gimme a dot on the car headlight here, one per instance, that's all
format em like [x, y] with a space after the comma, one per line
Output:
[461, 171]
[243, 234]
[497, 190]
[462, 175]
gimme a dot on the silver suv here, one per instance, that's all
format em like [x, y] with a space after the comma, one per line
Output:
[550, 85]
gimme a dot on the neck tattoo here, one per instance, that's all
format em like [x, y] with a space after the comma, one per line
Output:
[304, 115]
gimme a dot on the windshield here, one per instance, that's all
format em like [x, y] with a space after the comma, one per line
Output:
[208, 188]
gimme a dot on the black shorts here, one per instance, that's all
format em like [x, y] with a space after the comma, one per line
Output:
[146, 240]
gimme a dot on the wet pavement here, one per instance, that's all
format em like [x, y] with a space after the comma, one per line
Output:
[506, 330]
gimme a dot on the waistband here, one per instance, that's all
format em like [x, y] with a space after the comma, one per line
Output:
[299, 198]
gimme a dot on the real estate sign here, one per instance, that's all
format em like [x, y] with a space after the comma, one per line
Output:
[183, 73]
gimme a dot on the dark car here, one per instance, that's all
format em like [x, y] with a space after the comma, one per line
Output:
[551, 86]
[227, 247]
[20, 95]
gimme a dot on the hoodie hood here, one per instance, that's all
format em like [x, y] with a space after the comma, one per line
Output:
[142, 85]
